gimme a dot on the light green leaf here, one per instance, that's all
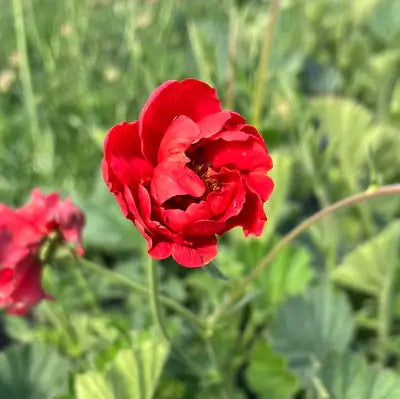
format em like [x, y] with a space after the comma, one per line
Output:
[288, 275]
[308, 328]
[367, 268]
[384, 19]
[348, 376]
[133, 373]
[32, 372]
[276, 206]
[269, 375]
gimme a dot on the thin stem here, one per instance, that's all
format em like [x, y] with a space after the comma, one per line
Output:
[232, 49]
[262, 72]
[384, 312]
[153, 296]
[26, 80]
[120, 279]
[392, 189]
[213, 358]
[83, 283]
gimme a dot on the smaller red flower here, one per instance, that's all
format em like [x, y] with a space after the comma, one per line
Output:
[22, 233]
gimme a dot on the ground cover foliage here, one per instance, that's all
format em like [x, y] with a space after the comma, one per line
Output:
[322, 319]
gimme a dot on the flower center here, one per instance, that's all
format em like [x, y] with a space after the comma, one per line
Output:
[203, 170]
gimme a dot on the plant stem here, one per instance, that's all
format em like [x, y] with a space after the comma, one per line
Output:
[153, 296]
[26, 81]
[232, 47]
[120, 279]
[262, 72]
[392, 189]
[384, 312]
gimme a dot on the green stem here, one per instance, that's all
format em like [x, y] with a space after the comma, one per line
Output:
[25, 74]
[214, 361]
[392, 189]
[153, 296]
[120, 279]
[384, 312]
[262, 72]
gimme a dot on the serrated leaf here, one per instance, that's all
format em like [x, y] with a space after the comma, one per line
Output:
[133, 372]
[348, 376]
[269, 375]
[309, 327]
[367, 268]
[32, 372]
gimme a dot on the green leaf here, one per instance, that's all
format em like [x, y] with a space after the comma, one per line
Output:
[276, 206]
[384, 19]
[32, 372]
[308, 328]
[133, 372]
[269, 375]
[348, 376]
[288, 275]
[367, 268]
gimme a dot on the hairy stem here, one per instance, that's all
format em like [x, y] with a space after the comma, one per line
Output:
[139, 288]
[392, 189]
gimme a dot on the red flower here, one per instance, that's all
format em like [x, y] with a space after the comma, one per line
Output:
[22, 232]
[186, 171]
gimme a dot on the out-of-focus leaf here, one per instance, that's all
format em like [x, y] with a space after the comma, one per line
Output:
[287, 276]
[281, 175]
[309, 327]
[269, 375]
[367, 268]
[32, 372]
[132, 373]
[106, 227]
[348, 376]
[384, 19]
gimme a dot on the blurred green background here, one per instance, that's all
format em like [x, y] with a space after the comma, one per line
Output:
[330, 115]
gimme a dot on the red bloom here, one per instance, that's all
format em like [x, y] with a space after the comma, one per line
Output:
[22, 232]
[186, 171]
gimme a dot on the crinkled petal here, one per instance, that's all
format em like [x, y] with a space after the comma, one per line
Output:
[260, 183]
[252, 217]
[202, 252]
[177, 139]
[171, 179]
[190, 97]
[244, 155]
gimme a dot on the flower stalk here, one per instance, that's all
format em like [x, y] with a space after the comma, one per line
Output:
[392, 189]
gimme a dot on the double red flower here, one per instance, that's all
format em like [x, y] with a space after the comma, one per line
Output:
[187, 171]
[22, 234]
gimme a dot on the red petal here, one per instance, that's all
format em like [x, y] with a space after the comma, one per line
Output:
[181, 133]
[189, 97]
[243, 155]
[260, 184]
[229, 200]
[175, 219]
[28, 290]
[205, 228]
[212, 124]
[123, 155]
[200, 254]
[172, 179]
[161, 250]
[252, 217]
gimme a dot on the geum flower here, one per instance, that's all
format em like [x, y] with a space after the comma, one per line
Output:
[23, 232]
[187, 171]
